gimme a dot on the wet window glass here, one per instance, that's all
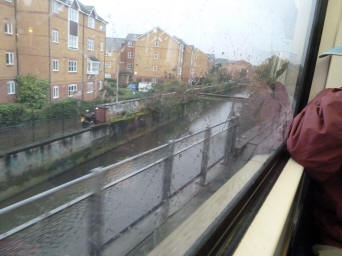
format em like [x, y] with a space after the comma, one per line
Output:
[118, 119]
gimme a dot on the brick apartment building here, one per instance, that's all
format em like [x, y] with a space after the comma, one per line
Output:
[8, 63]
[62, 41]
[120, 51]
[196, 64]
[158, 57]
[240, 70]
[155, 57]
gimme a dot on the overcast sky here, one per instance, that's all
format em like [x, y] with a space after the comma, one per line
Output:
[234, 29]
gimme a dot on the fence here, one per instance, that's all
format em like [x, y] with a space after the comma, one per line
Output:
[35, 131]
[82, 216]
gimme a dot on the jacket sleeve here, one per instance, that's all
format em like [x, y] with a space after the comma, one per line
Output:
[315, 135]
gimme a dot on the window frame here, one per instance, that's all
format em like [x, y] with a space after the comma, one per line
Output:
[11, 90]
[8, 27]
[130, 44]
[73, 15]
[246, 206]
[91, 44]
[55, 36]
[91, 22]
[73, 42]
[72, 66]
[129, 66]
[91, 67]
[9, 58]
[55, 63]
[108, 64]
[129, 55]
[155, 68]
[157, 43]
[72, 89]
[55, 92]
[156, 56]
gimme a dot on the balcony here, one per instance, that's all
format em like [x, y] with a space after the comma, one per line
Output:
[93, 66]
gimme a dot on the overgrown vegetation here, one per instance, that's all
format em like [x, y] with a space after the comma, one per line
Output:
[270, 70]
[173, 86]
[217, 75]
[32, 92]
[108, 92]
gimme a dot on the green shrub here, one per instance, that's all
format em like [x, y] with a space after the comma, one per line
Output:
[32, 91]
[65, 108]
[12, 113]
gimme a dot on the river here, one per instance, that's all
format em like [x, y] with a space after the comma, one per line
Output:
[197, 119]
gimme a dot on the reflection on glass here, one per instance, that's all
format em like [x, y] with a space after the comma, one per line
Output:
[168, 100]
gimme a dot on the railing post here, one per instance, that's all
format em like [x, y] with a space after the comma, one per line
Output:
[205, 156]
[230, 141]
[168, 166]
[33, 127]
[95, 224]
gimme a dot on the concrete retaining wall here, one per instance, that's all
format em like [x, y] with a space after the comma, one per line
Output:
[28, 166]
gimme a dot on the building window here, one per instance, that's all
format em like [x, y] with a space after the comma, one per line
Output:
[55, 65]
[129, 66]
[73, 42]
[101, 47]
[91, 45]
[73, 15]
[91, 22]
[154, 80]
[156, 43]
[55, 92]
[129, 55]
[9, 58]
[155, 68]
[8, 28]
[100, 85]
[108, 64]
[130, 43]
[155, 56]
[55, 36]
[93, 67]
[108, 75]
[56, 7]
[11, 87]
[72, 65]
[90, 87]
[101, 27]
[72, 89]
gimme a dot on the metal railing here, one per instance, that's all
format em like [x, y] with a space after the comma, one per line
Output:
[85, 215]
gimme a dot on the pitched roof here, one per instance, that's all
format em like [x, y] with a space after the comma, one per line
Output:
[132, 37]
[87, 9]
[179, 40]
[114, 44]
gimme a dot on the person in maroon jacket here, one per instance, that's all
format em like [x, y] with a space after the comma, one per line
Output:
[315, 142]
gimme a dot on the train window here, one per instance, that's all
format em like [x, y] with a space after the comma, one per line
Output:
[198, 93]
